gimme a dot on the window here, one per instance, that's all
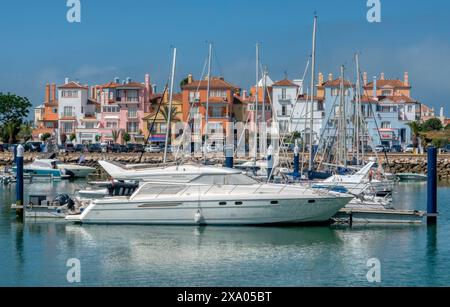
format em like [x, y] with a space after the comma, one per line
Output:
[69, 94]
[132, 127]
[162, 128]
[111, 125]
[216, 112]
[283, 93]
[283, 110]
[55, 110]
[410, 109]
[90, 125]
[67, 127]
[218, 93]
[385, 125]
[132, 96]
[132, 112]
[386, 93]
[68, 112]
[194, 97]
[335, 92]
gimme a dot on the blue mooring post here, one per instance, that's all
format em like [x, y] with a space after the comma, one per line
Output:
[269, 162]
[229, 156]
[432, 186]
[19, 183]
[296, 161]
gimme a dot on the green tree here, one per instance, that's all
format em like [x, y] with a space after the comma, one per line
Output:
[439, 142]
[63, 138]
[10, 131]
[432, 124]
[98, 138]
[173, 112]
[72, 137]
[26, 132]
[45, 137]
[13, 108]
[115, 135]
[447, 128]
[184, 82]
[126, 137]
[416, 128]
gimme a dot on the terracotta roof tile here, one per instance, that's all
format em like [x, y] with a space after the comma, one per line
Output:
[216, 83]
[72, 85]
[387, 83]
[284, 82]
[337, 83]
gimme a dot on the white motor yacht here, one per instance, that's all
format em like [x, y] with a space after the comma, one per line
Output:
[229, 198]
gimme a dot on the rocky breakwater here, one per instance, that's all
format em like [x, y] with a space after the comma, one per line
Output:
[418, 166]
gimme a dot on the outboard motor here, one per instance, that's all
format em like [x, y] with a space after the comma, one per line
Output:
[64, 199]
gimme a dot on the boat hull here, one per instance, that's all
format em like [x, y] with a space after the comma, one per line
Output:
[213, 212]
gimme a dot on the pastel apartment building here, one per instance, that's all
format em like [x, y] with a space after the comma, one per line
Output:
[46, 115]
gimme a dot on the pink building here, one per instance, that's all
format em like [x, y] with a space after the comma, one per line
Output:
[122, 108]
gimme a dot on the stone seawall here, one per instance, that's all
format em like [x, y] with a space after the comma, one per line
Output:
[398, 163]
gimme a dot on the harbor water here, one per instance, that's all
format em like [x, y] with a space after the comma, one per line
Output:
[36, 253]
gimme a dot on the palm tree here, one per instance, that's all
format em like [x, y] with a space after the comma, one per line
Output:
[10, 131]
[416, 128]
[26, 132]
[173, 114]
[115, 135]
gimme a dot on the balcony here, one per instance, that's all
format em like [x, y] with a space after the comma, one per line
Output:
[284, 98]
[282, 114]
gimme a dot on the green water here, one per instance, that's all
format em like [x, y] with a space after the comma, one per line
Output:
[35, 254]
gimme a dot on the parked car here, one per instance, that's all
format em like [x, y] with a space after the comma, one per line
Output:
[95, 148]
[382, 148]
[135, 147]
[287, 147]
[409, 149]
[33, 146]
[80, 148]
[446, 149]
[396, 148]
[115, 148]
[153, 149]
[2, 148]
[368, 148]
[70, 148]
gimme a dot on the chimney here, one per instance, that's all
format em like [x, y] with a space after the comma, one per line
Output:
[93, 92]
[154, 88]
[244, 95]
[53, 92]
[66, 80]
[365, 78]
[128, 80]
[441, 115]
[320, 79]
[406, 79]
[375, 88]
[330, 77]
[166, 97]
[116, 80]
[190, 78]
[148, 85]
[47, 92]
[382, 76]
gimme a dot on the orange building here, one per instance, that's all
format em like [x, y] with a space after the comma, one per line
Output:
[221, 98]
[47, 121]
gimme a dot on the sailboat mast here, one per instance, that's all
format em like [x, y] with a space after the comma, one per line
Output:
[208, 88]
[169, 115]
[264, 95]
[313, 72]
[256, 102]
[358, 108]
[343, 122]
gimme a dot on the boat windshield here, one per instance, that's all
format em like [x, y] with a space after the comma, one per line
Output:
[228, 179]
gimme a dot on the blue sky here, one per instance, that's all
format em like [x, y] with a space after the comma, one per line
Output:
[133, 37]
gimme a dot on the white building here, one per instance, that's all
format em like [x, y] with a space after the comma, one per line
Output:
[77, 113]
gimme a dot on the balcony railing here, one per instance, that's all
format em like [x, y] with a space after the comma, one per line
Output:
[284, 97]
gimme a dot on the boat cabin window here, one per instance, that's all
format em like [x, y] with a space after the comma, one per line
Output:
[153, 189]
[228, 179]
